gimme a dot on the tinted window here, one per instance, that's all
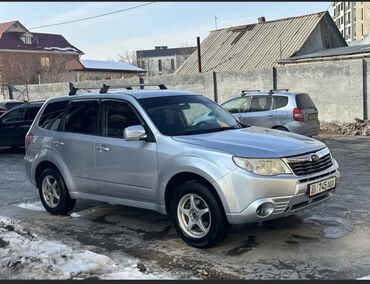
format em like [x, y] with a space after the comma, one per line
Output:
[52, 115]
[82, 117]
[15, 115]
[304, 101]
[237, 105]
[118, 116]
[261, 103]
[32, 112]
[11, 105]
[279, 102]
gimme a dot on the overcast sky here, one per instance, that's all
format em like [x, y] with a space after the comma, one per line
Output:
[162, 23]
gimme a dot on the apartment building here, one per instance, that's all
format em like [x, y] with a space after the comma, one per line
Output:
[352, 19]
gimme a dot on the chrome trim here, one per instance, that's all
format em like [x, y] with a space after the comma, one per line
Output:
[307, 157]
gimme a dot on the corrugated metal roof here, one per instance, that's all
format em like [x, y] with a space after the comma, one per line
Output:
[110, 66]
[252, 46]
[340, 51]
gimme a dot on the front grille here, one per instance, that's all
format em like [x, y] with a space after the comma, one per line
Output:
[302, 168]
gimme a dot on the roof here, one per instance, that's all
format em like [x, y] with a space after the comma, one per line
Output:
[112, 66]
[333, 52]
[164, 51]
[116, 94]
[258, 45]
[41, 42]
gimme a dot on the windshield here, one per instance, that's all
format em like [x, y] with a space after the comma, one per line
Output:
[188, 114]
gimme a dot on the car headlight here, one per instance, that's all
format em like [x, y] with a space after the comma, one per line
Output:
[265, 167]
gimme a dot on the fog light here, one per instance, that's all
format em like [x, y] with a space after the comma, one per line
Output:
[265, 209]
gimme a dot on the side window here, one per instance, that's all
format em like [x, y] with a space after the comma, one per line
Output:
[279, 102]
[15, 115]
[238, 105]
[32, 112]
[81, 117]
[52, 115]
[118, 116]
[261, 103]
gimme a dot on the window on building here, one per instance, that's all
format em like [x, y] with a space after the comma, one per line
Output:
[362, 13]
[159, 65]
[172, 64]
[45, 61]
[27, 40]
[349, 17]
[341, 20]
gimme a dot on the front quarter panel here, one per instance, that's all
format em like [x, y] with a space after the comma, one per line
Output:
[177, 157]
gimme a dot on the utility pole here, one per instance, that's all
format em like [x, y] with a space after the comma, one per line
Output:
[199, 56]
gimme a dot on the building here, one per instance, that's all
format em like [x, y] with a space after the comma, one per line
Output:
[261, 44]
[352, 19]
[27, 58]
[162, 60]
[91, 70]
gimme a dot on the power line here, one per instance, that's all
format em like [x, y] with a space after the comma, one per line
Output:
[93, 17]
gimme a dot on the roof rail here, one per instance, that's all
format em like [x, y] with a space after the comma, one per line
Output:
[277, 90]
[104, 89]
[244, 92]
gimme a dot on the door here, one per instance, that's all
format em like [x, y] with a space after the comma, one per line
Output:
[74, 143]
[283, 114]
[125, 169]
[12, 128]
[260, 112]
[238, 107]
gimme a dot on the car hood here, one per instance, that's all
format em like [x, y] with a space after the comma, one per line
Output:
[255, 142]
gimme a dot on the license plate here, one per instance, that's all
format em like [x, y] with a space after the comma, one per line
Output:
[321, 186]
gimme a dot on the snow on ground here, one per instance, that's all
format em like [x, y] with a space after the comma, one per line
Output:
[27, 256]
[364, 278]
[34, 206]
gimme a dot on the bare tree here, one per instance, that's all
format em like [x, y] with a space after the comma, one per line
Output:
[128, 57]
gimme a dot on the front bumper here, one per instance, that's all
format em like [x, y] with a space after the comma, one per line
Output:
[244, 192]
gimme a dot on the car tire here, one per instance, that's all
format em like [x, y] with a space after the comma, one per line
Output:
[54, 194]
[281, 128]
[189, 203]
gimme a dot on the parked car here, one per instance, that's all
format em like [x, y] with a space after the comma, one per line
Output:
[8, 105]
[142, 149]
[15, 123]
[282, 110]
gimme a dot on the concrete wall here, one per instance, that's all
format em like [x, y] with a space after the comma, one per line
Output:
[336, 86]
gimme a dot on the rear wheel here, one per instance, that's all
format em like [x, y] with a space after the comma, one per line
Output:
[281, 128]
[54, 194]
[197, 216]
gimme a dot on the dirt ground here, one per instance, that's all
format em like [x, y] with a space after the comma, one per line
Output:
[329, 241]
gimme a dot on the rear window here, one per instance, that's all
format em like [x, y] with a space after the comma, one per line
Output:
[279, 102]
[52, 115]
[304, 101]
[82, 117]
[32, 112]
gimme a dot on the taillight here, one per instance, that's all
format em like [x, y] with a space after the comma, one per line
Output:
[28, 140]
[298, 115]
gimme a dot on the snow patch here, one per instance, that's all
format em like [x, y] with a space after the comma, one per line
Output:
[364, 278]
[26, 256]
[75, 215]
[34, 206]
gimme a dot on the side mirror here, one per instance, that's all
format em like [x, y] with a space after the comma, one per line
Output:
[133, 133]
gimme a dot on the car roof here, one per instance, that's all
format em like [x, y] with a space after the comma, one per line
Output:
[137, 94]
[30, 104]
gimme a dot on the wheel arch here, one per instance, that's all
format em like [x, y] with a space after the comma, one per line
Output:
[179, 178]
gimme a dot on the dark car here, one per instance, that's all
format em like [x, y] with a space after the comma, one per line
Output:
[6, 106]
[15, 123]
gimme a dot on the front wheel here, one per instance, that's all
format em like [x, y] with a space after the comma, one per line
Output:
[197, 216]
[54, 193]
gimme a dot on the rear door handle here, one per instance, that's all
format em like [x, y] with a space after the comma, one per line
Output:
[102, 148]
[270, 115]
[58, 142]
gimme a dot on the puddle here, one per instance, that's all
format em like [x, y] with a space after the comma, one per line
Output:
[334, 227]
[246, 246]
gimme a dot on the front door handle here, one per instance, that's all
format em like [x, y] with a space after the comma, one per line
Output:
[102, 148]
[58, 142]
[270, 115]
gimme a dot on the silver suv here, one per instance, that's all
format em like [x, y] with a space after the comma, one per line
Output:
[277, 109]
[148, 149]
